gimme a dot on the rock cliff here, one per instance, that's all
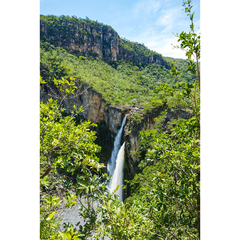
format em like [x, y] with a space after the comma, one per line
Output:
[145, 122]
[95, 108]
[89, 38]
[109, 119]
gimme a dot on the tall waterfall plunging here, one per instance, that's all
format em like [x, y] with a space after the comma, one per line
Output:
[117, 177]
[116, 163]
[112, 162]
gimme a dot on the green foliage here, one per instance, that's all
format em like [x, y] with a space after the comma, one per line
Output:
[171, 176]
[66, 27]
[48, 227]
[135, 118]
[165, 194]
[170, 170]
[60, 140]
[121, 84]
[69, 233]
[190, 42]
[182, 66]
[63, 146]
[139, 51]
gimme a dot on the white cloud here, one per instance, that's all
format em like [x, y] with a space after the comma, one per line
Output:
[167, 17]
[161, 43]
[166, 48]
[159, 20]
[147, 7]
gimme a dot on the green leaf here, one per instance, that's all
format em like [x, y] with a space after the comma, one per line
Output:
[161, 196]
[118, 186]
[51, 216]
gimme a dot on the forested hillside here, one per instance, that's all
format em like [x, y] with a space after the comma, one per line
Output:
[88, 61]
[121, 83]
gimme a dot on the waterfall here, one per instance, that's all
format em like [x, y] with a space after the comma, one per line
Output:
[117, 177]
[112, 163]
[116, 163]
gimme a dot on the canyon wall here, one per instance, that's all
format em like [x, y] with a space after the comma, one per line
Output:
[109, 119]
[95, 108]
[89, 38]
[146, 122]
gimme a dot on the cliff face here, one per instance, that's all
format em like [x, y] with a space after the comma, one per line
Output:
[147, 122]
[88, 38]
[109, 119]
[95, 108]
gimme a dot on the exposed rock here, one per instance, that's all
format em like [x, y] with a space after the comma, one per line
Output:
[146, 122]
[94, 39]
[98, 111]
[95, 108]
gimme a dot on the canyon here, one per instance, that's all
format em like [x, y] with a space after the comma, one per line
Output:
[109, 119]
[89, 39]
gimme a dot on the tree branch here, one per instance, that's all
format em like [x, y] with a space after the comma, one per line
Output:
[49, 167]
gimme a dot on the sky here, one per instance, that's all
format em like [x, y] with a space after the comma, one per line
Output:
[151, 22]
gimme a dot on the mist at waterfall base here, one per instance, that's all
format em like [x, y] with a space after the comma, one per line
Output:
[116, 164]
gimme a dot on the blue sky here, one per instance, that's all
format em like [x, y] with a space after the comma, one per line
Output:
[151, 22]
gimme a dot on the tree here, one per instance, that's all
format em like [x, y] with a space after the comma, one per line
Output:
[66, 149]
[171, 168]
[62, 143]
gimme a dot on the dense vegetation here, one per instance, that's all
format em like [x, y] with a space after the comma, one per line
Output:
[58, 24]
[121, 84]
[65, 30]
[165, 199]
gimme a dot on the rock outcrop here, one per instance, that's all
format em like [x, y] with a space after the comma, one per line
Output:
[145, 122]
[95, 108]
[109, 118]
[88, 38]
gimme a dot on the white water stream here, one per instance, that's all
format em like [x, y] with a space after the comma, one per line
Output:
[115, 169]
[116, 163]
